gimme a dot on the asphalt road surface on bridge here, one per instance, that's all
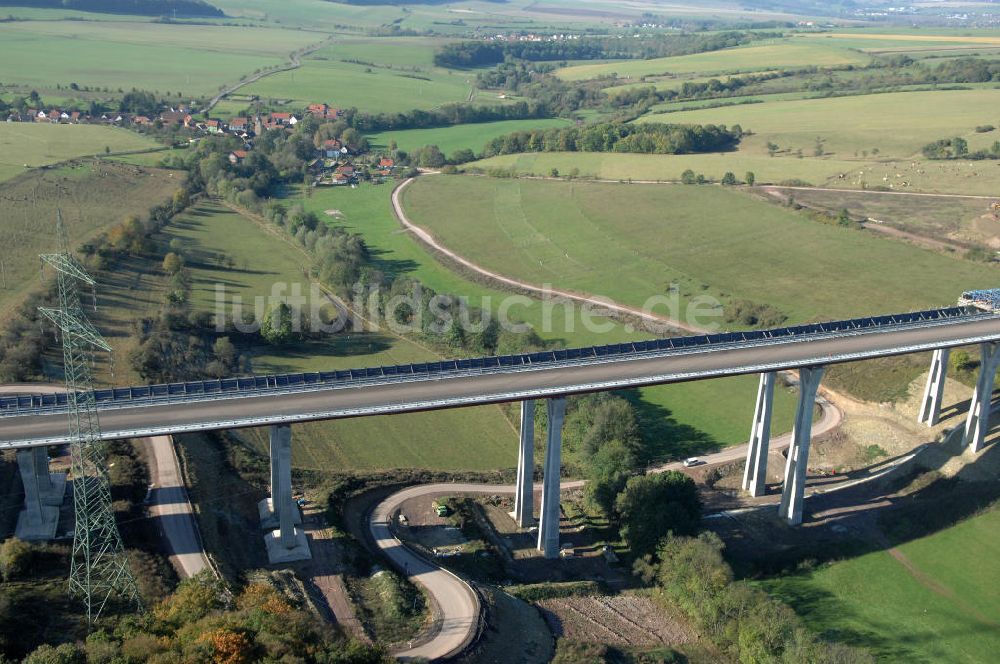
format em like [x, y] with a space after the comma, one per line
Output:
[445, 391]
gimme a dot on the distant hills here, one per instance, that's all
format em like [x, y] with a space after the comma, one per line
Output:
[171, 8]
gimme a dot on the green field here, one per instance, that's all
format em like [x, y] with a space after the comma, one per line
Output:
[394, 74]
[896, 124]
[28, 144]
[878, 602]
[682, 419]
[92, 197]
[450, 139]
[575, 236]
[618, 166]
[191, 59]
[775, 54]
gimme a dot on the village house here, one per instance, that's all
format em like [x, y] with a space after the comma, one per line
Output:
[174, 117]
[237, 156]
[239, 125]
[323, 111]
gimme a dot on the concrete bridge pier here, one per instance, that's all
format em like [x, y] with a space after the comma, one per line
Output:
[930, 406]
[548, 525]
[43, 494]
[279, 513]
[794, 487]
[978, 422]
[524, 495]
[755, 471]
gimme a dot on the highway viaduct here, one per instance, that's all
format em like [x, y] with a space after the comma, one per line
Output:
[31, 422]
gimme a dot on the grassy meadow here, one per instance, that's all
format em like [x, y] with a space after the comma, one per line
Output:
[895, 124]
[623, 167]
[773, 54]
[928, 600]
[384, 75]
[457, 137]
[574, 235]
[191, 59]
[27, 144]
[92, 196]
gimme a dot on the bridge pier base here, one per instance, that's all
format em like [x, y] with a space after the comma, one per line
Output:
[524, 490]
[755, 471]
[43, 494]
[548, 525]
[930, 406]
[978, 423]
[279, 514]
[794, 487]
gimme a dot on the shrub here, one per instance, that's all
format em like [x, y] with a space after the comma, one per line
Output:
[15, 558]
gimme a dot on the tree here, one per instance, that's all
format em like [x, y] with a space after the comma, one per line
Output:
[225, 351]
[651, 506]
[772, 148]
[67, 653]
[729, 179]
[276, 328]
[172, 263]
[688, 177]
[844, 218]
[750, 178]
[609, 470]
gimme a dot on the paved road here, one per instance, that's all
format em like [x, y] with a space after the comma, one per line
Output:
[455, 391]
[456, 605]
[170, 506]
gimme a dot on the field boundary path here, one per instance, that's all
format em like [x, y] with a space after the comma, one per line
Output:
[295, 61]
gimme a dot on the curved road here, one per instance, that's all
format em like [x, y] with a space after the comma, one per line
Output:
[456, 603]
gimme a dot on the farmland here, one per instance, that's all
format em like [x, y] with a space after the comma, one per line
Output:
[573, 235]
[387, 75]
[190, 59]
[618, 166]
[92, 196]
[777, 54]
[928, 600]
[27, 144]
[856, 124]
[450, 139]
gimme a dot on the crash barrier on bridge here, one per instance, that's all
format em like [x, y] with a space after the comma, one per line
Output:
[124, 396]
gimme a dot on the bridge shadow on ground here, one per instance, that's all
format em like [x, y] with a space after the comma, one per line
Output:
[664, 437]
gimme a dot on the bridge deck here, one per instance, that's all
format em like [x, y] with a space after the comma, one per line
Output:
[268, 400]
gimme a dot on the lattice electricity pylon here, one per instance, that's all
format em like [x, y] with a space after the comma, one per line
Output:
[99, 570]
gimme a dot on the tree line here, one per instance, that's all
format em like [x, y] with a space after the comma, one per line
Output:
[958, 148]
[613, 47]
[649, 138]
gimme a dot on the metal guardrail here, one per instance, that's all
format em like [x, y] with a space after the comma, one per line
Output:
[201, 390]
